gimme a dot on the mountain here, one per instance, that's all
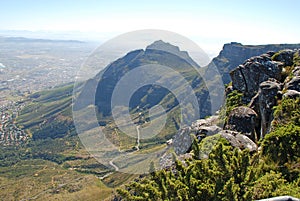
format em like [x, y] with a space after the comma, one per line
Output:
[233, 54]
[35, 40]
[230, 56]
[158, 54]
[54, 164]
[161, 74]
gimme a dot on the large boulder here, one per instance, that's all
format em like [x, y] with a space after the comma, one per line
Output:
[205, 127]
[242, 119]
[182, 141]
[239, 140]
[247, 77]
[201, 128]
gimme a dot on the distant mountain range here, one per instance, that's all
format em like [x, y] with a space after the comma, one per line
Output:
[160, 53]
[35, 40]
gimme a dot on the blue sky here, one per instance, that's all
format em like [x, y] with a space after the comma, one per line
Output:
[209, 23]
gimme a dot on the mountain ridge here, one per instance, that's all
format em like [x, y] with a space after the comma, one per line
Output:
[234, 53]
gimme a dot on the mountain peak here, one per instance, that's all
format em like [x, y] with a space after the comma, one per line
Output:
[165, 46]
[168, 47]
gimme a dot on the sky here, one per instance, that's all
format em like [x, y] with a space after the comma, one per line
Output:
[209, 23]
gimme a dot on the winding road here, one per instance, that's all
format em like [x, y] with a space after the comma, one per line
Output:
[138, 138]
[111, 162]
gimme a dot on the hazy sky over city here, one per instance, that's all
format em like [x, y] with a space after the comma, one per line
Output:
[209, 23]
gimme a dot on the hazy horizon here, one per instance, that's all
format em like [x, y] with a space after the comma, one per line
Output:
[208, 23]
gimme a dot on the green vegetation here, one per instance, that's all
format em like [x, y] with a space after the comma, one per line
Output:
[228, 174]
[287, 111]
[233, 100]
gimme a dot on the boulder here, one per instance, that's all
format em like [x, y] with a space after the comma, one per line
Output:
[212, 120]
[247, 77]
[182, 141]
[291, 94]
[238, 140]
[207, 130]
[296, 71]
[285, 56]
[281, 198]
[294, 84]
[242, 119]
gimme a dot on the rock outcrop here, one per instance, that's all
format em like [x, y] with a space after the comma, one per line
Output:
[242, 119]
[238, 140]
[233, 54]
[182, 141]
[247, 77]
[200, 128]
[263, 80]
[291, 94]
[260, 79]
[294, 84]
[267, 99]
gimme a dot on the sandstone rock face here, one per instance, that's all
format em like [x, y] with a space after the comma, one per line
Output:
[242, 119]
[238, 140]
[247, 77]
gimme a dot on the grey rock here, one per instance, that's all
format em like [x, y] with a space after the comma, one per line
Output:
[242, 119]
[285, 56]
[296, 71]
[247, 77]
[182, 141]
[281, 198]
[238, 140]
[267, 99]
[294, 84]
[207, 130]
[212, 120]
[291, 94]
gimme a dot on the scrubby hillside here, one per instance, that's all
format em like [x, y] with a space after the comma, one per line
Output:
[254, 156]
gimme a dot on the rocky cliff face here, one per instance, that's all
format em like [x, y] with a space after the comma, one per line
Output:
[233, 54]
[263, 81]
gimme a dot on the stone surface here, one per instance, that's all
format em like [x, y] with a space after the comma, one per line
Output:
[267, 99]
[291, 94]
[281, 198]
[296, 71]
[242, 119]
[182, 141]
[247, 77]
[238, 140]
[285, 56]
[294, 84]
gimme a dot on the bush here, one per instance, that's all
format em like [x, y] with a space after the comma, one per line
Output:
[283, 144]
